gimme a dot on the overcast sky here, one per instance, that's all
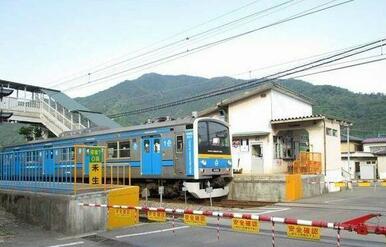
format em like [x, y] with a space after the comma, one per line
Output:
[45, 42]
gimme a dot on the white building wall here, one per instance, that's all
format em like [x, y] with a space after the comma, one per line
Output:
[251, 114]
[381, 160]
[285, 106]
[367, 146]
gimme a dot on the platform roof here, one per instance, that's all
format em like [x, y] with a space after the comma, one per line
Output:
[22, 86]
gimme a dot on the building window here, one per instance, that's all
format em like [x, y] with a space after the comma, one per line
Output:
[334, 132]
[124, 149]
[179, 144]
[331, 132]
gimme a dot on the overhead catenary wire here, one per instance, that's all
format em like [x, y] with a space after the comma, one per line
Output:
[301, 14]
[254, 82]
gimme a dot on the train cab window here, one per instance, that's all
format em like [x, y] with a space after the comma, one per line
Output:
[157, 146]
[124, 149]
[179, 144]
[146, 146]
[112, 148]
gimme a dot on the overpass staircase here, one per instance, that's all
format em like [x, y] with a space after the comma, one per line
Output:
[51, 108]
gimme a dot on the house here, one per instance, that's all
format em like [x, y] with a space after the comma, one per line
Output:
[377, 146]
[356, 163]
[271, 125]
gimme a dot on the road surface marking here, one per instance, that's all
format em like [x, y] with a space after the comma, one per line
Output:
[336, 200]
[68, 244]
[272, 210]
[151, 232]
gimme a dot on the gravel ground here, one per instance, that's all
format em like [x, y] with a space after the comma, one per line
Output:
[7, 222]
[180, 204]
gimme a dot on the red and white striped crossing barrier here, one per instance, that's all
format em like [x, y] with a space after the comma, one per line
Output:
[357, 224]
[229, 215]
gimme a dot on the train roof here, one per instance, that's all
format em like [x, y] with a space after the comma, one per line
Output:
[170, 123]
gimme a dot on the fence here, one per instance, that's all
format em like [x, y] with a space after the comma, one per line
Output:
[250, 223]
[68, 170]
[307, 163]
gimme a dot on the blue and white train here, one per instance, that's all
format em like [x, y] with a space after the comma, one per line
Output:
[190, 152]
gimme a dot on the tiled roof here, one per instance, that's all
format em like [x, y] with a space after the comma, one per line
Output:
[343, 138]
[310, 117]
[299, 118]
[375, 140]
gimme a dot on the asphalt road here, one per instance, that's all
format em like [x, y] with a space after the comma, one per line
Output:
[331, 207]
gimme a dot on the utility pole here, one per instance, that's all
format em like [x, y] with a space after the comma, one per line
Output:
[348, 150]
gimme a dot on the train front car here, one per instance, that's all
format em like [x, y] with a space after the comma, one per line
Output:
[212, 158]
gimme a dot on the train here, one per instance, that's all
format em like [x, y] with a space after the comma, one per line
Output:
[189, 154]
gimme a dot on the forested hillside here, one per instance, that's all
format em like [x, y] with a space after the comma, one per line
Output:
[366, 111]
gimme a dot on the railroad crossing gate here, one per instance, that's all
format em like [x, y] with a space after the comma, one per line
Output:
[122, 217]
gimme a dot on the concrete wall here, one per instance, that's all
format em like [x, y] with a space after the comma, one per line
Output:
[59, 213]
[271, 188]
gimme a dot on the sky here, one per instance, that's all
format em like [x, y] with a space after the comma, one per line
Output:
[57, 43]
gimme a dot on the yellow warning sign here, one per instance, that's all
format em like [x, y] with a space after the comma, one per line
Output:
[364, 184]
[245, 225]
[195, 220]
[95, 173]
[303, 232]
[340, 184]
[156, 216]
[123, 217]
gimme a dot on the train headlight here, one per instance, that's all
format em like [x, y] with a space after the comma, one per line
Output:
[203, 162]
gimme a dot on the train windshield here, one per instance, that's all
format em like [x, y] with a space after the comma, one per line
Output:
[213, 138]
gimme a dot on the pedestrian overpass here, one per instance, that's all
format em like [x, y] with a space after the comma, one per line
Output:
[49, 107]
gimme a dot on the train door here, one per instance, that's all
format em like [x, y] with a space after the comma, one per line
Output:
[179, 152]
[151, 156]
[48, 163]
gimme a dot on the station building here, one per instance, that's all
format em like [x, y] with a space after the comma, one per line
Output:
[271, 126]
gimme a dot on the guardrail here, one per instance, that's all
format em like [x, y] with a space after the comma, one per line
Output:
[65, 170]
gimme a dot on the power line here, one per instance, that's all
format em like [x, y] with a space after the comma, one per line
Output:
[339, 68]
[254, 82]
[179, 43]
[301, 14]
[160, 41]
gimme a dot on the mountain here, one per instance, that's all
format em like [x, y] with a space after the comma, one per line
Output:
[366, 111]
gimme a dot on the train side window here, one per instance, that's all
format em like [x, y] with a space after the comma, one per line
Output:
[179, 144]
[157, 145]
[124, 149]
[112, 148]
[146, 146]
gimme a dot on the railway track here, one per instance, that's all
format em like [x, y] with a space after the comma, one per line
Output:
[217, 202]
